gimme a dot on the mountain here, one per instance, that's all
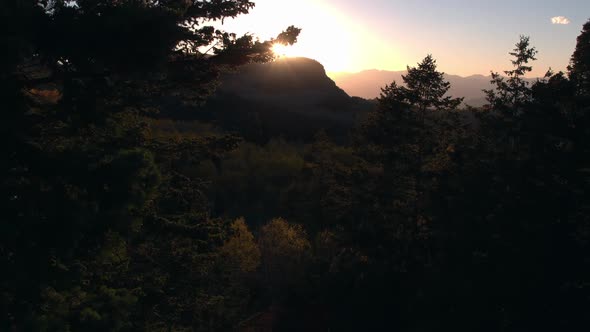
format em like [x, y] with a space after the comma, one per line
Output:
[295, 98]
[292, 97]
[368, 84]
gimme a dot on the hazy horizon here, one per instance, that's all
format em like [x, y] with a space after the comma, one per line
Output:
[336, 73]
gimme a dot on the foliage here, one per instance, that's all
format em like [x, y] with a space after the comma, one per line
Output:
[119, 217]
[284, 250]
[252, 180]
[241, 249]
[579, 69]
[424, 88]
[513, 92]
[105, 228]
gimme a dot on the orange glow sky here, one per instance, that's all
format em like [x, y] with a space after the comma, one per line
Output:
[465, 36]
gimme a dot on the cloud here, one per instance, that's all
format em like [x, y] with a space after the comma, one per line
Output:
[560, 20]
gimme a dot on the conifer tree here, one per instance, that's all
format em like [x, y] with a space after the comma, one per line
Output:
[579, 69]
[514, 91]
[425, 88]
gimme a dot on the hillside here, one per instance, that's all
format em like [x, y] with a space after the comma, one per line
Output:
[292, 97]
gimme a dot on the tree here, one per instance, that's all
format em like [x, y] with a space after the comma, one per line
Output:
[425, 88]
[579, 68]
[241, 249]
[552, 90]
[285, 249]
[514, 91]
[400, 130]
[82, 166]
[399, 125]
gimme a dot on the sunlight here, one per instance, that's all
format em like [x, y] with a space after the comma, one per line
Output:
[281, 50]
[330, 36]
[334, 56]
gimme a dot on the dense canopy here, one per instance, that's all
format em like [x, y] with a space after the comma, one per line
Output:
[137, 197]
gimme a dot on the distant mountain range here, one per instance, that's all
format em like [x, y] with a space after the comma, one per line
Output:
[367, 84]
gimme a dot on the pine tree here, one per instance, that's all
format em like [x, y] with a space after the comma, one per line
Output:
[579, 69]
[514, 91]
[425, 88]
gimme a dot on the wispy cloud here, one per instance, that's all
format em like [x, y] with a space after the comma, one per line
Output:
[560, 20]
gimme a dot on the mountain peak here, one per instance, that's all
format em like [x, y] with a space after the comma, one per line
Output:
[298, 62]
[284, 75]
[282, 95]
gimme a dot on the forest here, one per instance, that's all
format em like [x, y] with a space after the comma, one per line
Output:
[125, 209]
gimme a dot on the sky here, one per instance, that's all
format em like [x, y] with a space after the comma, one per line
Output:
[466, 37]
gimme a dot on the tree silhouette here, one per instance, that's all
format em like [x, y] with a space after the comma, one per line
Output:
[579, 69]
[514, 91]
[425, 88]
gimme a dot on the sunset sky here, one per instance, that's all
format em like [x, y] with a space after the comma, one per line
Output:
[465, 36]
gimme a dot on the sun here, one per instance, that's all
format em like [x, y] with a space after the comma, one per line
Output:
[281, 50]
